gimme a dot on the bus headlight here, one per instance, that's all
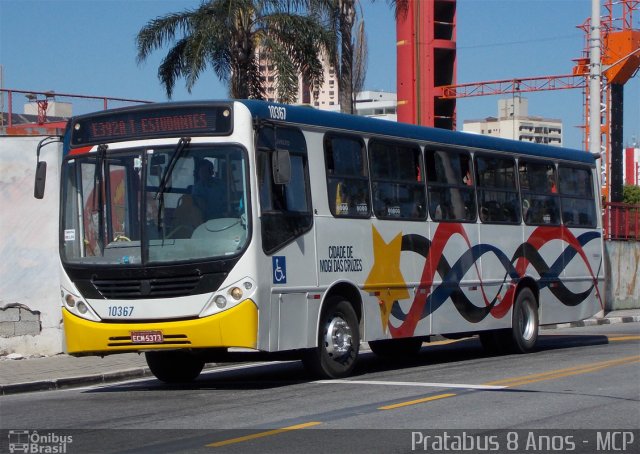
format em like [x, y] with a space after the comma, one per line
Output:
[220, 301]
[77, 306]
[69, 300]
[228, 297]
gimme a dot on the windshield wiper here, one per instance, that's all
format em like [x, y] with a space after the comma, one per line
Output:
[177, 153]
[182, 144]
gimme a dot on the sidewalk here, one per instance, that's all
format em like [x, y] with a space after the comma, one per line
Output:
[64, 371]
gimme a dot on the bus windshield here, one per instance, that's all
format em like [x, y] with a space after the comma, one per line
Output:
[140, 205]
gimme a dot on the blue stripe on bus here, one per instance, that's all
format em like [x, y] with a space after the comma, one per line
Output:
[313, 117]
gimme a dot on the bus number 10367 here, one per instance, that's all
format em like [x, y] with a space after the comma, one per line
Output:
[120, 311]
[277, 113]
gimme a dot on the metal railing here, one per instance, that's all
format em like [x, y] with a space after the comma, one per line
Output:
[621, 221]
[81, 103]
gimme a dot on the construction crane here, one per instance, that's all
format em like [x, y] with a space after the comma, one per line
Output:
[620, 60]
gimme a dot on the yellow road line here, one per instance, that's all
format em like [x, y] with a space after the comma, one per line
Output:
[623, 338]
[417, 401]
[268, 433]
[446, 341]
[559, 373]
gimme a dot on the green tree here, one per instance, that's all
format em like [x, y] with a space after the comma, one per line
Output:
[226, 35]
[631, 194]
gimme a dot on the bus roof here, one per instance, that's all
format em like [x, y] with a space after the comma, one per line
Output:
[304, 115]
[309, 116]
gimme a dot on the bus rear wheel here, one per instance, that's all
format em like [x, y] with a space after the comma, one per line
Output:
[525, 323]
[174, 366]
[523, 334]
[338, 341]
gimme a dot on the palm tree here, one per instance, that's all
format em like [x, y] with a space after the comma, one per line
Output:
[341, 16]
[227, 36]
[360, 57]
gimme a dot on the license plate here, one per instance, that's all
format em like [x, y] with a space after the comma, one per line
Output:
[147, 337]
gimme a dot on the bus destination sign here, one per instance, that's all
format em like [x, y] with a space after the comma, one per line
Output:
[148, 123]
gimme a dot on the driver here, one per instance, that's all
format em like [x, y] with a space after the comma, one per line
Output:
[209, 193]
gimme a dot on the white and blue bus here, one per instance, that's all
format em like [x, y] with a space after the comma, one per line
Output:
[188, 229]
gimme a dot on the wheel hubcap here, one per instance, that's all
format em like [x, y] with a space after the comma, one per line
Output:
[527, 321]
[338, 338]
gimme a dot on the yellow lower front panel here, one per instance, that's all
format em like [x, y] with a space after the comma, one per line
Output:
[236, 327]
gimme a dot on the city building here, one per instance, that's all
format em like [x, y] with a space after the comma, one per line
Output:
[377, 104]
[631, 165]
[514, 122]
[323, 97]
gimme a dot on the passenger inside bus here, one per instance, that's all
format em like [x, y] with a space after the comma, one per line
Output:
[209, 193]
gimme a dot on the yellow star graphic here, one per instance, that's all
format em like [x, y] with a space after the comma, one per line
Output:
[385, 276]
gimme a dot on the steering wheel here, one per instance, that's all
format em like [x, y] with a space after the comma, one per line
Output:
[121, 238]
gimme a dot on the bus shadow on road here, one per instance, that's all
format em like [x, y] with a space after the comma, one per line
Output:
[466, 350]
[286, 371]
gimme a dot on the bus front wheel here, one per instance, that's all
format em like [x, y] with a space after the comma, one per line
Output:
[338, 341]
[174, 366]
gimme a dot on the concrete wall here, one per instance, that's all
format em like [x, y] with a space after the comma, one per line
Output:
[29, 272]
[623, 275]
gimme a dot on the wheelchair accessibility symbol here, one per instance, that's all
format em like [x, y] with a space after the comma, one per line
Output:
[279, 266]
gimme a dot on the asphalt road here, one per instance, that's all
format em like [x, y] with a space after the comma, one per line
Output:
[579, 392]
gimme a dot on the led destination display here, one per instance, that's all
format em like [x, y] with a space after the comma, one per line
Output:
[131, 124]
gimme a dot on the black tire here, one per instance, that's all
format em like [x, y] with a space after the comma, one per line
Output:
[174, 366]
[338, 341]
[525, 322]
[397, 348]
[523, 334]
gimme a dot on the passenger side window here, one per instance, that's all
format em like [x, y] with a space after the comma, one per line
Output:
[285, 208]
[396, 180]
[576, 197]
[538, 186]
[497, 191]
[451, 187]
[347, 176]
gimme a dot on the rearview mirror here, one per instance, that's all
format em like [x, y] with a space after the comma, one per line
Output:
[281, 166]
[41, 166]
[41, 178]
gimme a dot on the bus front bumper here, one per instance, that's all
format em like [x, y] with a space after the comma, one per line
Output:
[236, 327]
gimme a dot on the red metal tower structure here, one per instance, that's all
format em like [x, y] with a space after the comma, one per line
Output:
[426, 60]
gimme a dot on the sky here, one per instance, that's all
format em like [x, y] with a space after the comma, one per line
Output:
[88, 47]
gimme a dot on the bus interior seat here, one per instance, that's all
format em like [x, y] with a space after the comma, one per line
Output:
[187, 215]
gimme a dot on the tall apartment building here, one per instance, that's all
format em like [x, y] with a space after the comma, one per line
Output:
[323, 97]
[514, 122]
[376, 104]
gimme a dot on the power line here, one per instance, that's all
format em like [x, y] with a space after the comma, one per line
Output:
[528, 41]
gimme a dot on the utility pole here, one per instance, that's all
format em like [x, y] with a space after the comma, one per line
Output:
[595, 76]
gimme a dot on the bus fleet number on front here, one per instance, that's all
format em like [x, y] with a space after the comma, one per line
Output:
[120, 311]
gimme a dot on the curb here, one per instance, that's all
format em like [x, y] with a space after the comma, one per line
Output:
[595, 322]
[74, 382]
